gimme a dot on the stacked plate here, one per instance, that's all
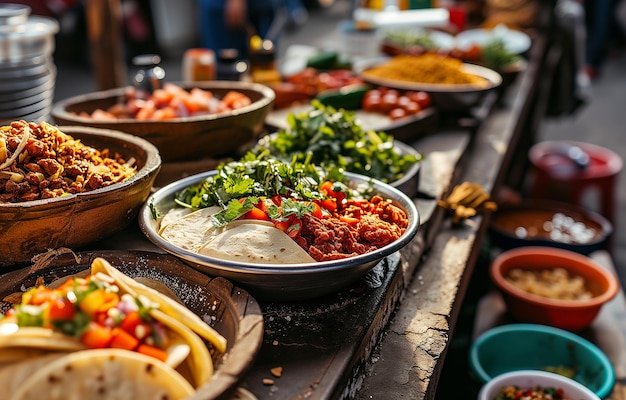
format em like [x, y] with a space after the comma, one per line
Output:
[27, 71]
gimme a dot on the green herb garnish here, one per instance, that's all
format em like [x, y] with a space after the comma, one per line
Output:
[334, 140]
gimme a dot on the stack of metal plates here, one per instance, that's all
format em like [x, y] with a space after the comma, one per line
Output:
[27, 70]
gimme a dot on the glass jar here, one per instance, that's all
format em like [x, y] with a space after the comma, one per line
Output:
[149, 75]
[199, 65]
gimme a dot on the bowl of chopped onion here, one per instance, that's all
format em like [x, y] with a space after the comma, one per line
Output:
[68, 186]
[552, 286]
[185, 121]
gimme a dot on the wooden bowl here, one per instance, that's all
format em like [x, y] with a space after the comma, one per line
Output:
[73, 221]
[237, 315]
[181, 139]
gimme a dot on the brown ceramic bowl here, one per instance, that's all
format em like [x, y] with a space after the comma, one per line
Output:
[565, 313]
[549, 223]
[73, 221]
[181, 139]
[232, 311]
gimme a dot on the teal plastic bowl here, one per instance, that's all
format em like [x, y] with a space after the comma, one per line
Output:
[516, 347]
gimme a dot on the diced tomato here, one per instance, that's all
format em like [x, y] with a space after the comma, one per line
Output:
[317, 210]
[61, 309]
[135, 325]
[349, 220]
[37, 296]
[329, 204]
[291, 227]
[123, 340]
[256, 213]
[96, 336]
[152, 351]
[98, 301]
[277, 199]
[234, 99]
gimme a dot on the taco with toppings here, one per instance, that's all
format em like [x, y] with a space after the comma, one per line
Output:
[109, 310]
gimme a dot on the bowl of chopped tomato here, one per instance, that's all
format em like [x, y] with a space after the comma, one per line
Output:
[185, 121]
[538, 385]
[282, 231]
[539, 349]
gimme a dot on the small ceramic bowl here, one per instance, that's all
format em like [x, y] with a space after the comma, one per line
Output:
[571, 313]
[533, 379]
[544, 349]
[549, 223]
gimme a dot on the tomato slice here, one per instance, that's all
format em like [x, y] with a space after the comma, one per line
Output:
[256, 213]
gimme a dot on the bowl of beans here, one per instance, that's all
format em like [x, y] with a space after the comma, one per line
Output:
[552, 286]
[185, 121]
[533, 359]
[549, 223]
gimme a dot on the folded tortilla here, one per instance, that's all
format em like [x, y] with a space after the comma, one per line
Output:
[251, 241]
[191, 230]
[104, 374]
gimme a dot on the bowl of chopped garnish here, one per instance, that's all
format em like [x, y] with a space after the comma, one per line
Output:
[553, 286]
[534, 349]
[284, 231]
[335, 139]
[534, 385]
[68, 186]
[185, 121]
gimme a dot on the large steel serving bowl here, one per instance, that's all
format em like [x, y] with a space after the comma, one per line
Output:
[32, 227]
[447, 97]
[181, 139]
[283, 282]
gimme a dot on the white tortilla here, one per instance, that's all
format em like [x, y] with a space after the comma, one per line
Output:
[190, 231]
[104, 374]
[252, 241]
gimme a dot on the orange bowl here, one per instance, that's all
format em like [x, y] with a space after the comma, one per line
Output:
[569, 314]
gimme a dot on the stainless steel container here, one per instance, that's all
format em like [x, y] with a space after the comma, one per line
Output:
[27, 70]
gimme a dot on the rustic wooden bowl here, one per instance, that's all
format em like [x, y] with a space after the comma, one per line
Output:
[33, 227]
[237, 315]
[181, 139]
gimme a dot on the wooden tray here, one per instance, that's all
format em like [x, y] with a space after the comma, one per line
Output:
[235, 314]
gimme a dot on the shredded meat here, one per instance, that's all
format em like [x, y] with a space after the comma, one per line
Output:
[53, 164]
[376, 223]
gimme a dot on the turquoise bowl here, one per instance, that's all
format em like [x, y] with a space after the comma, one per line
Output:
[514, 347]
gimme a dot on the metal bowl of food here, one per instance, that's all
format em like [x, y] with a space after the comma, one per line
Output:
[32, 221]
[180, 138]
[294, 277]
[452, 84]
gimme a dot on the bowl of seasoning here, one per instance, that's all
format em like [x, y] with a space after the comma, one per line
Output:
[552, 286]
[534, 349]
[549, 223]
